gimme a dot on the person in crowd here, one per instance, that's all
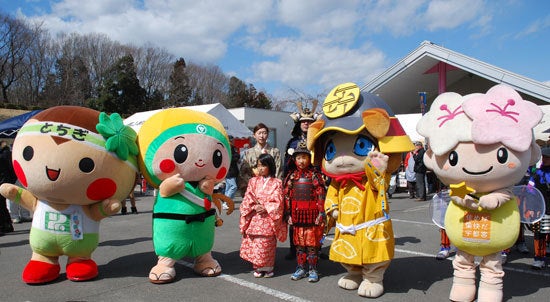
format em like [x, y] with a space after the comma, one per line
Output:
[410, 175]
[541, 229]
[302, 119]
[261, 223]
[132, 197]
[261, 133]
[420, 170]
[7, 175]
[304, 194]
[231, 177]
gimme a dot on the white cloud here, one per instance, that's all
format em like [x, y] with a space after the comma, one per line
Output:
[317, 62]
[196, 30]
[444, 14]
[404, 17]
[535, 27]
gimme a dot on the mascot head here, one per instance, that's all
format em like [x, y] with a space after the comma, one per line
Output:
[75, 155]
[485, 140]
[353, 124]
[182, 141]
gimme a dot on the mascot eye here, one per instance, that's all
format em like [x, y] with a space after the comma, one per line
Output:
[453, 158]
[28, 153]
[502, 155]
[86, 165]
[363, 146]
[217, 158]
[181, 153]
[330, 151]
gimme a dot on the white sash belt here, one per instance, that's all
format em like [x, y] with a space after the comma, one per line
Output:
[351, 229]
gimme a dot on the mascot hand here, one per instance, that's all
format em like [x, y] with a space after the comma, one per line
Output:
[111, 206]
[467, 202]
[495, 199]
[11, 192]
[379, 160]
[206, 185]
[335, 214]
[171, 185]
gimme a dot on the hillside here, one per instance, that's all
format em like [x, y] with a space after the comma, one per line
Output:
[7, 113]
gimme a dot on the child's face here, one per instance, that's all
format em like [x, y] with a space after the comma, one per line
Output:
[262, 170]
[302, 160]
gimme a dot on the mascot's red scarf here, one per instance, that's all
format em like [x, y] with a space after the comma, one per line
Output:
[343, 179]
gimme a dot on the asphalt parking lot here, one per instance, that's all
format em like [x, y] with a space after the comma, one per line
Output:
[125, 256]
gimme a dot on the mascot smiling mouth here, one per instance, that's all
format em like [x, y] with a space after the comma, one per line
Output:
[478, 173]
[52, 174]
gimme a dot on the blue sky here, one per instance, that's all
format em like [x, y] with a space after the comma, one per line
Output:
[309, 46]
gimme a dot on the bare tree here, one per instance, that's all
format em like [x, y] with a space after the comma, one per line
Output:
[153, 68]
[16, 38]
[209, 83]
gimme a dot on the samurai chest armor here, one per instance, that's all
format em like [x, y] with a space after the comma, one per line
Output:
[304, 203]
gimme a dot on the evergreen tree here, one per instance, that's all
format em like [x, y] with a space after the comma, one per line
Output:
[238, 94]
[121, 91]
[180, 90]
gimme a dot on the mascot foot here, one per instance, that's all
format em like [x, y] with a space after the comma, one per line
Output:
[82, 270]
[350, 281]
[463, 290]
[370, 289]
[37, 272]
[161, 274]
[489, 292]
[207, 266]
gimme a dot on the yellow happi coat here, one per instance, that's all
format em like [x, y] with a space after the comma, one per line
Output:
[363, 233]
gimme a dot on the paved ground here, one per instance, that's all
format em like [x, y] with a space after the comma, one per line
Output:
[125, 255]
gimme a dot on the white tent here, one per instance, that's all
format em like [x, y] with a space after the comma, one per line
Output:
[543, 125]
[408, 122]
[231, 124]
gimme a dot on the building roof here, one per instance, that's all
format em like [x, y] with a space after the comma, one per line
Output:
[400, 84]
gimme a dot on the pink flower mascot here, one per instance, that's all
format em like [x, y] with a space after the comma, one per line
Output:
[480, 145]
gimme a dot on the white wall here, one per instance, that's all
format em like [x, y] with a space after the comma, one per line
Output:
[279, 123]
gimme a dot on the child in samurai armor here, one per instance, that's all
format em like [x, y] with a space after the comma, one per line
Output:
[304, 193]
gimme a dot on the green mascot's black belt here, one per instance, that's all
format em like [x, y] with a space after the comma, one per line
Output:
[188, 218]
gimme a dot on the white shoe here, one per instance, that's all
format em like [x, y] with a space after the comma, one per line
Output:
[443, 253]
[538, 264]
[522, 248]
[504, 257]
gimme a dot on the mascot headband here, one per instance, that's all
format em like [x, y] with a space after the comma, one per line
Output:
[75, 133]
[193, 128]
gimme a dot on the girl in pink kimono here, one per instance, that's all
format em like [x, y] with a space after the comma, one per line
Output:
[261, 223]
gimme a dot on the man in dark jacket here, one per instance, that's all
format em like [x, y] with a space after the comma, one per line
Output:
[420, 170]
[7, 175]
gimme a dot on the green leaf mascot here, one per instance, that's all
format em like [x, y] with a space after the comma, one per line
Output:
[76, 165]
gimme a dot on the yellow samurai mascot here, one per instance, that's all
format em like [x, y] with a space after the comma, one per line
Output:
[184, 153]
[76, 165]
[358, 143]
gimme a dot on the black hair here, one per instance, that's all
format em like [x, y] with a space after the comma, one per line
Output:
[297, 130]
[268, 161]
